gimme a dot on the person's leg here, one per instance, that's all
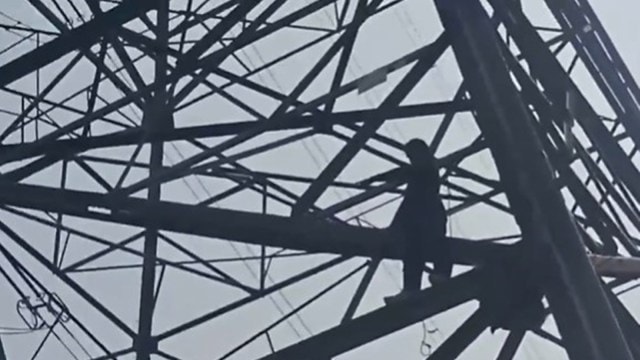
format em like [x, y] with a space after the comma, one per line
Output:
[412, 264]
[443, 264]
[412, 271]
[441, 250]
[413, 260]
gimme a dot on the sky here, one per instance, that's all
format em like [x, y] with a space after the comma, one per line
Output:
[185, 295]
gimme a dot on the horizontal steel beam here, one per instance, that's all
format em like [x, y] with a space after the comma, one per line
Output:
[616, 266]
[386, 320]
[136, 135]
[84, 35]
[304, 233]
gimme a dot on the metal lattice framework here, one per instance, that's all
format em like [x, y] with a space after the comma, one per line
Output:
[180, 178]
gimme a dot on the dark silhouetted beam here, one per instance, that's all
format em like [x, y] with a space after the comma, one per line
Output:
[601, 59]
[384, 321]
[556, 82]
[580, 308]
[466, 334]
[629, 325]
[135, 135]
[511, 345]
[84, 35]
[369, 129]
[304, 233]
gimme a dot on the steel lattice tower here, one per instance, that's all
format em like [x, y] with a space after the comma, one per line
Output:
[180, 177]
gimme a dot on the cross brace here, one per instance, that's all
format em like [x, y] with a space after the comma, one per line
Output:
[82, 36]
[134, 136]
[386, 320]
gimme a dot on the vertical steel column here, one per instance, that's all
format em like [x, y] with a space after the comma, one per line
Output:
[155, 119]
[598, 310]
[582, 312]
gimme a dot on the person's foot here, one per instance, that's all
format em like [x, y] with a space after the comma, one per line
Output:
[436, 279]
[396, 298]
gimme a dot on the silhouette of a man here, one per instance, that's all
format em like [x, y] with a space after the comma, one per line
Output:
[421, 220]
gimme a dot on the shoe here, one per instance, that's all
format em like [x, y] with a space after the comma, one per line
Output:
[397, 298]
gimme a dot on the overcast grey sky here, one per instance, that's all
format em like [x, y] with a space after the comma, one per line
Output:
[403, 28]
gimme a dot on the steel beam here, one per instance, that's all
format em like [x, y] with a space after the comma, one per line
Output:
[84, 35]
[511, 345]
[467, 333]
[276, 287]
[557, 83]
[221, 28]
[207, 64]
[611, 76]
[616, 266]
[360, 291]
[570, 283]
[136, 136]
[306, 233]
[629, 325]
[210, 62]
[386, 320]
[21, 242]
[157, 116]
[610, 49]
[364, 133]
[358, 20]
[554, 147]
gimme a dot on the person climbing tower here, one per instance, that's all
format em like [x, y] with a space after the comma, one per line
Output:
[421, 219]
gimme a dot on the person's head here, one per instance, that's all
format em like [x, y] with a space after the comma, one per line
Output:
[417, 151]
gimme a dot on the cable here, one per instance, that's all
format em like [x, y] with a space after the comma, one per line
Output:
[424, 343]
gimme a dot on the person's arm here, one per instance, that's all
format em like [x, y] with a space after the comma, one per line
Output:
[435, 173]
[390, 175]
